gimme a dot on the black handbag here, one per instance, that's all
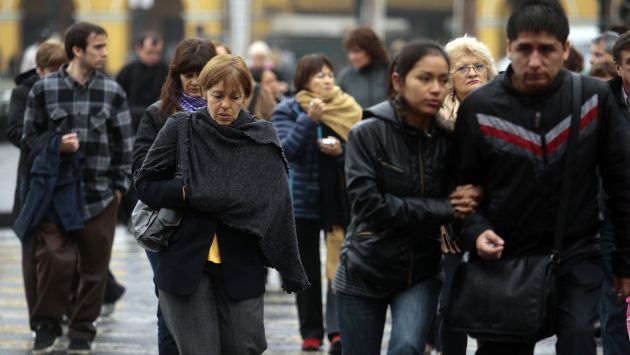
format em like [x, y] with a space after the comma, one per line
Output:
[153, 228]
[515, 300]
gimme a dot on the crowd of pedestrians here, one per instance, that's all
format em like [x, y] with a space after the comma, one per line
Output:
[409, 166]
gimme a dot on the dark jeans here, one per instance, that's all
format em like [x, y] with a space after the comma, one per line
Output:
[579, 289]
[57, 255]
[612, 314]
[309, 301]
[166, 343]
[362, 320]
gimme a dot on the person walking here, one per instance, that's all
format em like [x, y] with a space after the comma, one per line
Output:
[366, 77]
[142, 79]
[211, 277]
[313, 128]
[612, 312]
[472, 66]
[49, 57]
[510, 138]
[90, 111]
[180, 93]
[396, 172]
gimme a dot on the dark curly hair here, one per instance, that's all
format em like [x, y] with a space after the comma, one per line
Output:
[191, 55]
[365, 39]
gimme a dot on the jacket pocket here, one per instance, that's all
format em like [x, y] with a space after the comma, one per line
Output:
[58, 117]
[394, 178]
[378, 258]
[98, 122]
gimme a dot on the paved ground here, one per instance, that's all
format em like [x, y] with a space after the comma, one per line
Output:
[131, 329]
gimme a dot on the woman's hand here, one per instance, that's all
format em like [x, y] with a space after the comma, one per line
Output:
[465, 199]
[315, 109]
[330, 146]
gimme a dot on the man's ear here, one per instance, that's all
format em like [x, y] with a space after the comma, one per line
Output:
[397, 82]
[76, 50]
[508, 50]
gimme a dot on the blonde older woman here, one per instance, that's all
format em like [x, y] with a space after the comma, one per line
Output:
[472, 65]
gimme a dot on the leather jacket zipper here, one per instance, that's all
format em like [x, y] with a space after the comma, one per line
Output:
[422, 187]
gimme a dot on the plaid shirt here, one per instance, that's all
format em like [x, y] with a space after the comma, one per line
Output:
[98, 113]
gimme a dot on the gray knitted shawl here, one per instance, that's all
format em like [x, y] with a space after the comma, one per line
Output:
[238, 174]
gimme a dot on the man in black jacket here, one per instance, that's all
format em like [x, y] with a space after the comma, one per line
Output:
[612, 314]
[143, 78]
[511, 137]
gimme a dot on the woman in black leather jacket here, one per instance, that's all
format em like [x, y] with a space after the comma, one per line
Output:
[396, 172]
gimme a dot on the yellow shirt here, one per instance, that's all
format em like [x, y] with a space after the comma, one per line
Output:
[213, 253]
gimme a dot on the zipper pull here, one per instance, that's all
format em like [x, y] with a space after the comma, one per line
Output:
[537, 119]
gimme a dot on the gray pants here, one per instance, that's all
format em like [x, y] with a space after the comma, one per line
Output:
[208, 322]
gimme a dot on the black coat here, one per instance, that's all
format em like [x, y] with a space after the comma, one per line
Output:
[398, 188]
[17, 106]
[179, 268]
[142, 83]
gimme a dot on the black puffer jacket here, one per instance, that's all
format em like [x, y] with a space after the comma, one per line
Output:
[398, 187]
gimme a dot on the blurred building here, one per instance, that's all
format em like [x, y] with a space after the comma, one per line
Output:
[299, 25]
[302, 25]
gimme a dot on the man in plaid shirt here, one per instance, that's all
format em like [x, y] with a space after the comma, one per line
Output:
[92, 110]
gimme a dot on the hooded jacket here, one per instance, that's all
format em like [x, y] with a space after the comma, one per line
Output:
[398, 187]
[513, 145]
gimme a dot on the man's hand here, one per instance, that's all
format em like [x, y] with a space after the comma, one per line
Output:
[622, 285]
[119, 196]
[69, 143]
[489, 245]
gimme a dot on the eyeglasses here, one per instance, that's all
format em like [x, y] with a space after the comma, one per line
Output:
[463, 70]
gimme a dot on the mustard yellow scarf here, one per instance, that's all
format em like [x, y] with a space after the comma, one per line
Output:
[340, 113]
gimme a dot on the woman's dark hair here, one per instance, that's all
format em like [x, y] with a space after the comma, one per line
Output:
[575, 62]
[410, 54]
[365, 39]
[308, 66]
[539, 16]
[191, 55]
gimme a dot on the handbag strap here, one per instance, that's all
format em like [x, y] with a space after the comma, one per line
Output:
[182, 146]
[561, 222]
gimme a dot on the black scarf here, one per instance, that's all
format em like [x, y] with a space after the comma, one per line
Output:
[238, 174]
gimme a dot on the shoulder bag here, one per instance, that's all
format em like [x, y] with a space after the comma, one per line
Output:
[514, 300]
[153, 228]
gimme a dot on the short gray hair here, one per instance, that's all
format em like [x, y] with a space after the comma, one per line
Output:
[609, 38]
[471, 46]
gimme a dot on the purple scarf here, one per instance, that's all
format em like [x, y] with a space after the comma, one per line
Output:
[191, 103]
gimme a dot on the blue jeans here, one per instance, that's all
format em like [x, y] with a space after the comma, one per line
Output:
[612, 314]
[362, 320]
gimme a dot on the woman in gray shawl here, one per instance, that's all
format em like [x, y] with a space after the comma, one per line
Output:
[233, 188]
